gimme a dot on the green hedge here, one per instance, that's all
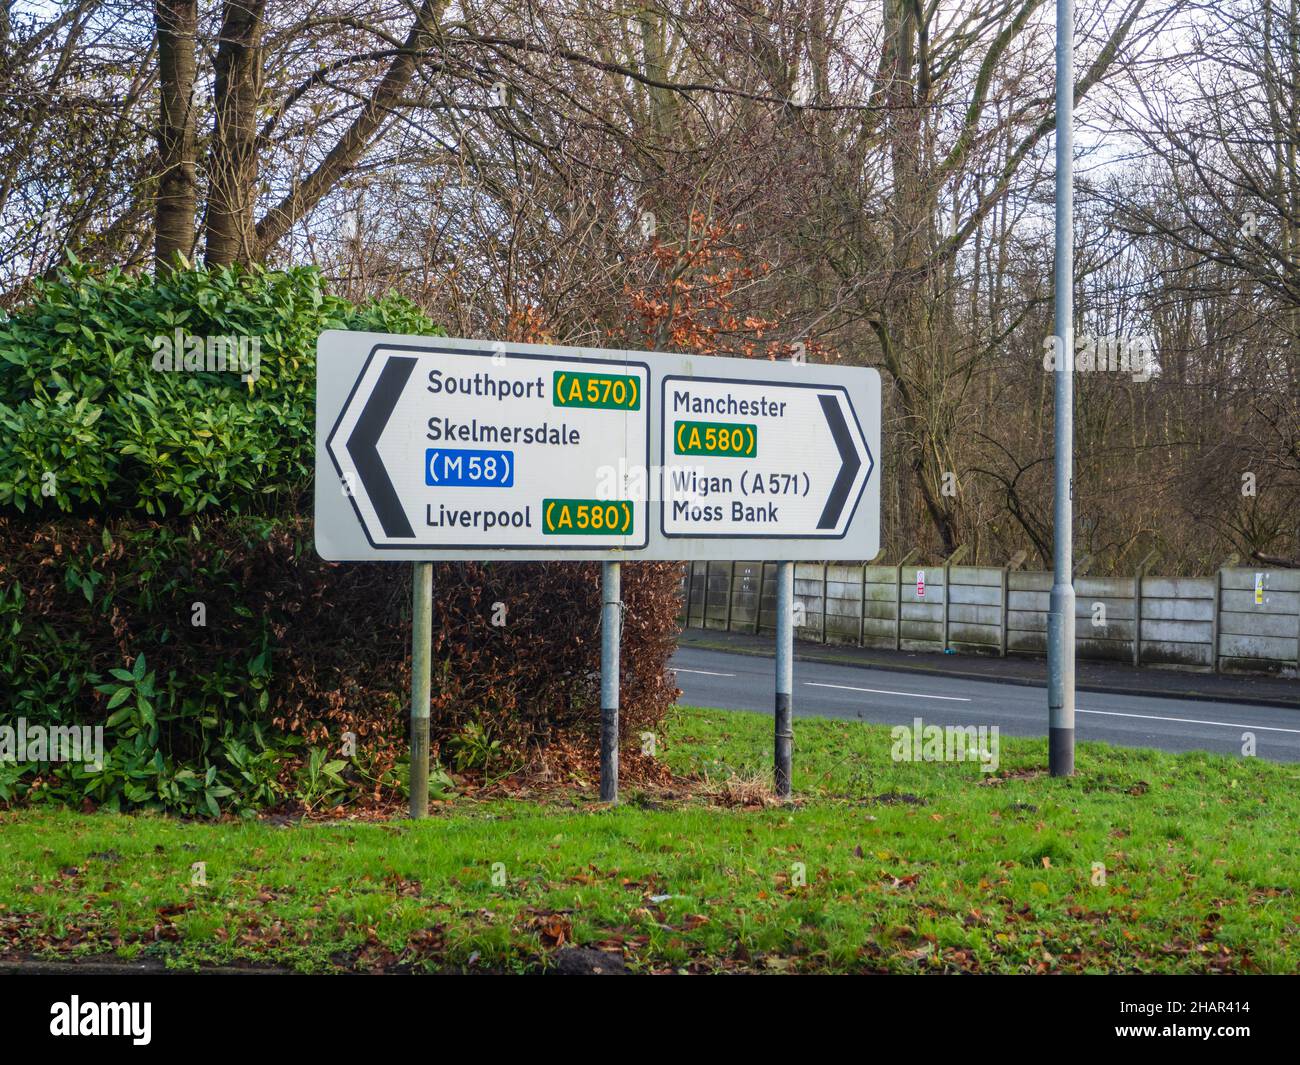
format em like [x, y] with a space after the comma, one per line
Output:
[224, 659]
[91, 421]
[180, 497]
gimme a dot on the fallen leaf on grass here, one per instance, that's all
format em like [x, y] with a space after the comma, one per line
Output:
[555, 929]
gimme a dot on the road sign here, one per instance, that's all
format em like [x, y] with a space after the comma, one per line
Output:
[432, 448]
[920, 584]
[475, 450]
[749, 460]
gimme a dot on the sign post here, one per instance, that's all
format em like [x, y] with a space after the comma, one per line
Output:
[784, 745]
[1061, 602]
[430, 448]
[611, 622]
[421, 649]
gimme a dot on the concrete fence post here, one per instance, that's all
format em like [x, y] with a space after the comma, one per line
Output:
[898, 607]
[1138, 574]
[731, 592]
[947, 598]
[1297, 631]
[1217, 626]
[704, 620]
[1214, 619]
[826, 603]
[898, 598]
[957, 555]
[862, 609]
[1005, 607]
[690, 580]
[1137, 618]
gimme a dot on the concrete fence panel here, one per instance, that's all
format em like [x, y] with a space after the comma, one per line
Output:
[1239, 619]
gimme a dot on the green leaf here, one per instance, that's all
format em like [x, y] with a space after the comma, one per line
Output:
[123, 693]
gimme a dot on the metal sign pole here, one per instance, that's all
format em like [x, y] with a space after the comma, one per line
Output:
[421, 651]
[1060, 632]
[610, 626]
[784, 675]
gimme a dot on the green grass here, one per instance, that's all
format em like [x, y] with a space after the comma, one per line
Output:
[1201, 856]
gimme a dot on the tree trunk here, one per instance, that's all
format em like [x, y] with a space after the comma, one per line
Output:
[233, 161]
[174, 210]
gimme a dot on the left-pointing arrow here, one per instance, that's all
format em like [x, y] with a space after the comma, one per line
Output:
[850, 462]
[363, 446]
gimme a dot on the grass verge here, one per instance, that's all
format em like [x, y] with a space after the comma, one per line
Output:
[1142, 862]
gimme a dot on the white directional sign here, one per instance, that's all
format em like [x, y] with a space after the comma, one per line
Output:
[436, 448]
[747, 459]
[474, 449]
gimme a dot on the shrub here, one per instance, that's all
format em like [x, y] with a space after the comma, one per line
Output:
[293, 652]
[90, 426]
[167, 587]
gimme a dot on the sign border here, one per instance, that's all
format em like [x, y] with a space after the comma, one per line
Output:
[439, 350]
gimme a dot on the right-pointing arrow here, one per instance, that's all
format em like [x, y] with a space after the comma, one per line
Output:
[363, 446]
[850, 461]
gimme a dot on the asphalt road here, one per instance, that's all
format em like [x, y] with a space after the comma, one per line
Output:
[744, 682]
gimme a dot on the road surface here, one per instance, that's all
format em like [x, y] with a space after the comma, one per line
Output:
[731, 681]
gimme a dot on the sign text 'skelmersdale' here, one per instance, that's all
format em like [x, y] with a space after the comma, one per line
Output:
[436, 448]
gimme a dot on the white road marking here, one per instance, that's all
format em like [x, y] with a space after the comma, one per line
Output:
[882, 691]
[1191, 721]
[961, 699]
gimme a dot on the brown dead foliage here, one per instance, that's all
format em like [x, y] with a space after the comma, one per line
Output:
[516, 646]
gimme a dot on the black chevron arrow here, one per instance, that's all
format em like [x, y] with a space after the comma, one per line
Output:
[362, 445]
[850, 463]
